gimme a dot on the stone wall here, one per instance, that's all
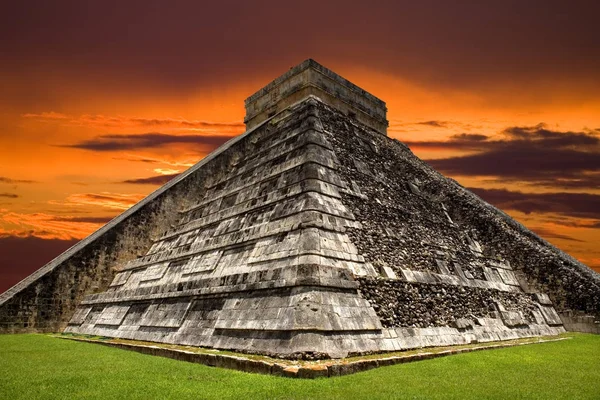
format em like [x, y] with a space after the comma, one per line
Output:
[578, 322]
[269, 257]
[46, 304]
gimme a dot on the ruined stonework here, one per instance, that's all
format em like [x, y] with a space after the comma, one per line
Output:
[311, 235]
[311, 78]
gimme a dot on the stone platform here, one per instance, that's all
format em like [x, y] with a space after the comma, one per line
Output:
[300, 369]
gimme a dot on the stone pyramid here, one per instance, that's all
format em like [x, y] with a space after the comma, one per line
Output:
[311, 235]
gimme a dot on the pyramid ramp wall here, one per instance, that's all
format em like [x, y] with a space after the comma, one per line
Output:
[46, 300]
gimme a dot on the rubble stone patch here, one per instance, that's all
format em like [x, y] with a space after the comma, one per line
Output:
[420, 305]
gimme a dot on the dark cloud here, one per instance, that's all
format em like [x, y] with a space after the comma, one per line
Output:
[142, 160]
[435, 124]
[461, 141]
[571, 181]
[91, 220]
[579, 205]
[469, 137]
[593, 225]
[9, 195]
[103, 121]
[185, 123]
[512, 138]
[569, 222]
[396, 125]
[550, 234]
[14, 266]
[153, 180]
[536, 154]
[525, 163]
[461, 44]
[4, 179]
[540, 134]
[147, 160]
[147, 141]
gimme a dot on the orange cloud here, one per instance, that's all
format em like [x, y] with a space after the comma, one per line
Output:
[4, 179]
[121, 122]
[48, 226]
[166, 171]
[150, 160]
[47, 116]
[117, 201]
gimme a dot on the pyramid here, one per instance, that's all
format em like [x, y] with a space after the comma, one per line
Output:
[311, 235]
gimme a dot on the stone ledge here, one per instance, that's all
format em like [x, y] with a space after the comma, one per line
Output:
[301, 369]
[297, 275]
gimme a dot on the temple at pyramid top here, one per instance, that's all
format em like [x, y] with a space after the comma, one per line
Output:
[311, 78]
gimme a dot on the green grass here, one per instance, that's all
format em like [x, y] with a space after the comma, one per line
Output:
[39, 366]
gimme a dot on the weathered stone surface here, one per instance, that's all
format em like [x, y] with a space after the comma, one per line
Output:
[579, 322]
[429, 229]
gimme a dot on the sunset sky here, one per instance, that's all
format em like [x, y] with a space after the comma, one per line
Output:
[103, 101]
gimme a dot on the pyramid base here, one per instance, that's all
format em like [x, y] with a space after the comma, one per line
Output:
[323, 345]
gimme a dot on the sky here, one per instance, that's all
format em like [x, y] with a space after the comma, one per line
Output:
[101, 102]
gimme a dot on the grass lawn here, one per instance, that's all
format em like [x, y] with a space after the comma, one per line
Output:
[39, 366]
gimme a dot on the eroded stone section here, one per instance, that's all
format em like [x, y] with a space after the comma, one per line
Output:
[420, 305]
[420, 227]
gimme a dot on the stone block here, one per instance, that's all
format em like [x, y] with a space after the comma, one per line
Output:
[462, 323]
[543, 299]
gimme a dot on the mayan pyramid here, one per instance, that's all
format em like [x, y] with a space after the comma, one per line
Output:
[313, 234]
